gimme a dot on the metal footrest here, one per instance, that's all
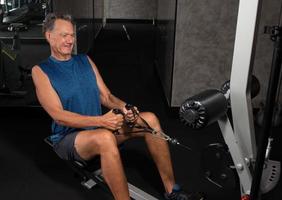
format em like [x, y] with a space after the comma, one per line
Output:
[89, 184]
[134, 192]
[138, 194]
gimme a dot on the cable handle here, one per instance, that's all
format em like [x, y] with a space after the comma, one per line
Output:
[118, 111]
[130, 107]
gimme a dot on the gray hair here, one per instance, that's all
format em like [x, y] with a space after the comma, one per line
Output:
[50, 19]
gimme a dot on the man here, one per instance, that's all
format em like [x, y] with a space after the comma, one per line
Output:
[71, 90]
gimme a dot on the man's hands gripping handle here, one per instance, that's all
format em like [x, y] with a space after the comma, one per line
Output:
[114, 119]
[131, 115]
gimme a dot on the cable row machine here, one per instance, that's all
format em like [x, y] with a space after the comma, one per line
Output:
[257, 173]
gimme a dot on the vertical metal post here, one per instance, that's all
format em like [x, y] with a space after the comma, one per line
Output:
[243, 56]
[240, 76]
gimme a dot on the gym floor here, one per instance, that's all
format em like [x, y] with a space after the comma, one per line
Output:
[29, 169]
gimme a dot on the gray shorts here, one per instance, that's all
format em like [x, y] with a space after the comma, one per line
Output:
[66, 150]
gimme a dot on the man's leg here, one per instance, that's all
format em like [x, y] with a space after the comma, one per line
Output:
[160, 152]
[102, 142]
[161, 155]
[157, 147]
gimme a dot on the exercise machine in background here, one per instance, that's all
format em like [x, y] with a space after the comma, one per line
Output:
[257, 173]
[12, 74]
[25, 11]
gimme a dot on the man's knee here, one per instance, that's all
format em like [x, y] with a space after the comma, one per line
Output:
[153, 122]
[95, 142]
[105, 140]
[151, 118]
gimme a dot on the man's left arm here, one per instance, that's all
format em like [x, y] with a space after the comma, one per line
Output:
[107, 98]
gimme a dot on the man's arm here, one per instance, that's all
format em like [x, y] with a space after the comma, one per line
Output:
[50, 101]
[107, 98]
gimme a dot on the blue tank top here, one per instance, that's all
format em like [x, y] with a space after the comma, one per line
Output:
[75, 83]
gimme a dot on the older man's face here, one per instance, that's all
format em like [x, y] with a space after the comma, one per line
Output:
[61, 38]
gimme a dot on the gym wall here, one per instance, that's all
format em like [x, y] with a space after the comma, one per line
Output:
[200, 37]
[78, 9]
[204, 38]
[128, 9]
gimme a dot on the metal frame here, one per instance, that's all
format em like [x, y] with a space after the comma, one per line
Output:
[241, 162]
[241, 139]
[240, 77]
[96, 178]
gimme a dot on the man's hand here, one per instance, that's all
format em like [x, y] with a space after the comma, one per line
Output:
[112, 121]
[130, 115]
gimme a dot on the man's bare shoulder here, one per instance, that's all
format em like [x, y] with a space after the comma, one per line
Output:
[38, 74]
[36, 69]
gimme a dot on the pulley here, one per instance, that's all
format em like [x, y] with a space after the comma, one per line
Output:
[203, 109]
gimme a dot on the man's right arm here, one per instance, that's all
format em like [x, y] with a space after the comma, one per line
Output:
[50, 101]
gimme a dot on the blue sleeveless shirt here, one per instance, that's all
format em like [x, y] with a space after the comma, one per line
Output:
[75, 83]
